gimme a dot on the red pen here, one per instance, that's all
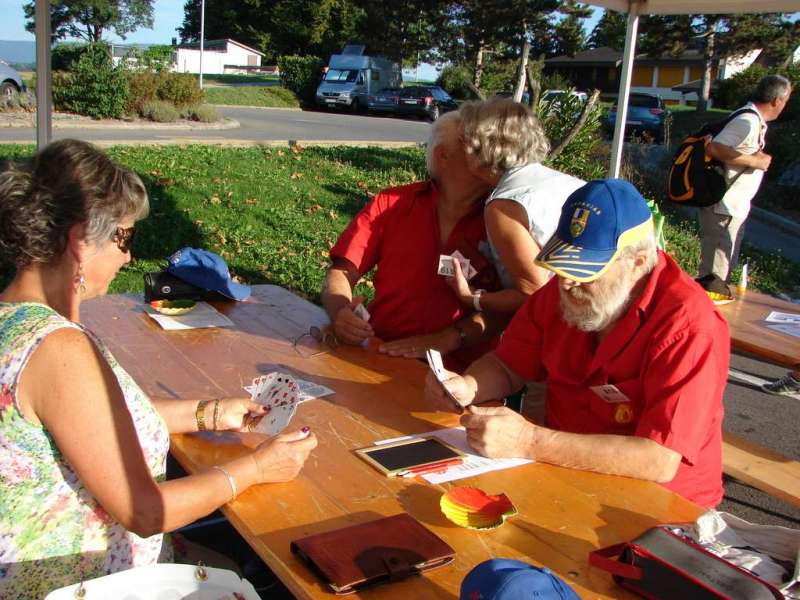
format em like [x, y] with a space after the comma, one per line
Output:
[424, 469]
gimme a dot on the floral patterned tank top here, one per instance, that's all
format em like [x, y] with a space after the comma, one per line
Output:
[52, 531]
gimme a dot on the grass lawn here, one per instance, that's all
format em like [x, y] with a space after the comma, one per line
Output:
[273, 96]
[274, 213]
[231, 78]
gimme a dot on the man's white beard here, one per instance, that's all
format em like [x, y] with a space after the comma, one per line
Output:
[607, 302]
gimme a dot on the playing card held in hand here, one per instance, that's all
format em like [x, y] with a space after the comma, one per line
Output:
[278, 392]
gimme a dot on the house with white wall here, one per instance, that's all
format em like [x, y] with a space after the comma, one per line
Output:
[219, 56]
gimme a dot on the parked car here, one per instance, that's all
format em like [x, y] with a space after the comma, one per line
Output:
[526, 96]
[385, 101]
[551, 101]
[427, 101]
[646, 115]
[10, 81]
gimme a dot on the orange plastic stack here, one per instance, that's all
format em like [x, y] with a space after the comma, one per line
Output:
[475, 509]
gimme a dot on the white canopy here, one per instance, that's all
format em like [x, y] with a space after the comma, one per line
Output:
[698, 7]
[634, 8]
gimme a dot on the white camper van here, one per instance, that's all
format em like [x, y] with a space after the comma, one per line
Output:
[350, 77]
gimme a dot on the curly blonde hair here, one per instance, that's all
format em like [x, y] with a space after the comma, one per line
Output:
[502, 134]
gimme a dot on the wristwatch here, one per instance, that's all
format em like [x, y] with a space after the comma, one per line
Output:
[476, 299]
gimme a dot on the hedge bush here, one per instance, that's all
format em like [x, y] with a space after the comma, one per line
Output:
[454, 79]
[205, 113]
[142, 88]
[734, 92]
[93, 87]
[181, 89]
[160, 111]
[65, 55]
[301, 74]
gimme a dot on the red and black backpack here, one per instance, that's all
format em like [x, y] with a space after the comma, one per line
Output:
[696, 179]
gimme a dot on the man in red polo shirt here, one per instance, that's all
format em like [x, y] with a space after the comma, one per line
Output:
[633, 352]
[403, 231]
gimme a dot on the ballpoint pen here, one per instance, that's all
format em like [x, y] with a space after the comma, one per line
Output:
[423, 469]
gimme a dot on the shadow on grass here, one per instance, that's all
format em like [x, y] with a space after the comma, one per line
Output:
[167, 228]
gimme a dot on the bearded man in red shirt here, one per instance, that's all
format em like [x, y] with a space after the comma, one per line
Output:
[633, 353]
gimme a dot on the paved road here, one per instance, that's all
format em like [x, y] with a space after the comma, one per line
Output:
[767, 420]
[258, 125]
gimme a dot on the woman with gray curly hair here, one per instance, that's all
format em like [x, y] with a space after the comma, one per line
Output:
[505, 145]
[82, 449]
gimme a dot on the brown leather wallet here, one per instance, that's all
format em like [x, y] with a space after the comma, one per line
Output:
[358, 556]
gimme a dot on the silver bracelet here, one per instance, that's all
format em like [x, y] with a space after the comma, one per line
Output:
[231, 481]
[476, 300]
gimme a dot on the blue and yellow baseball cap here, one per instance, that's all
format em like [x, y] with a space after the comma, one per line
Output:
[597, 221]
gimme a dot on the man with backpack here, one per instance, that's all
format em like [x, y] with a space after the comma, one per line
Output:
[739, 146]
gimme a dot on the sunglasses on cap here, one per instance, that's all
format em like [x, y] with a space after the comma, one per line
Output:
[123, 238]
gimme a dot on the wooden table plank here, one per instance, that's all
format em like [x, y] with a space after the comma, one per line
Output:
[749, 334]
[563, 514]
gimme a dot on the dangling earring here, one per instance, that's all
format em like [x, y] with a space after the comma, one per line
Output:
[80, 280]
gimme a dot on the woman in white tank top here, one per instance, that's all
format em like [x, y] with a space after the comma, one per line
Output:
[505, 144]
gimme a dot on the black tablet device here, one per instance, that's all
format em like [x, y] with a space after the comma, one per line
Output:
[395, 457]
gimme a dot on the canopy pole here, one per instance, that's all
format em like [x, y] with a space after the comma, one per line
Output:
[202, 36]
[44, 98]
[624, 89]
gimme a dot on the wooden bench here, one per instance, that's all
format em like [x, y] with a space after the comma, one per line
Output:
[763, 469]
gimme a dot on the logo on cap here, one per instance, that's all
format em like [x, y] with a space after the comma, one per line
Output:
[578, 223]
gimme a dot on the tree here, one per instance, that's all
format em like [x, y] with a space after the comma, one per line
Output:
[609, 31]
[569, 37]
[88, 19]
[319, 27]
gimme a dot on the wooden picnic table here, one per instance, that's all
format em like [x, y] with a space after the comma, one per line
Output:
[749, 332]
[563, 513]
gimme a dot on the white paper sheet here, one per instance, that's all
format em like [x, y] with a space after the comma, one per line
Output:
[204, 315]
[474, 464]
[780, 317]
[792, 329]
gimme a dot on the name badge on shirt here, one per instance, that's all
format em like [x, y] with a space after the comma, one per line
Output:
[610, 393]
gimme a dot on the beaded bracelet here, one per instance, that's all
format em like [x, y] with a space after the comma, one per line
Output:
[216, 413]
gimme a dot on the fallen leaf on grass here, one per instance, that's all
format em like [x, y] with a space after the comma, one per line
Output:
[215, 200]
[313, 208]
[296, 175]
[363, 186]
[251, 201]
